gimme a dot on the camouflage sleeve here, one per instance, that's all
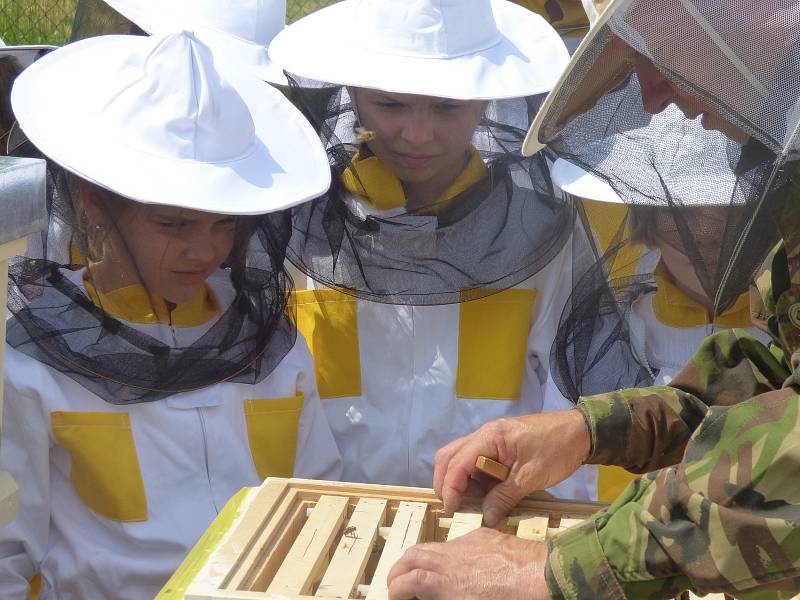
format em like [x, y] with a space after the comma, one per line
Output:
[725, 519]
[647, 429]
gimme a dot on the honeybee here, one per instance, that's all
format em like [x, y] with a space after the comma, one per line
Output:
[363, 135]
[351, 532]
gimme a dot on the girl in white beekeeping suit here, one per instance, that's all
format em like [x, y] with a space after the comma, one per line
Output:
[437, 266]
[638, 316]
[148, 384]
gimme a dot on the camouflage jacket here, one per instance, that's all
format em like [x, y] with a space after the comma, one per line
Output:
[719, 507]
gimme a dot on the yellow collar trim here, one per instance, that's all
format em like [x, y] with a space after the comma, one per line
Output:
[369, 178]
[674, 308]
[133, 304]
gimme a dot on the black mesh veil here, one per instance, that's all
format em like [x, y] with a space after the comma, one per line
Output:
[493, 235]
[595, 350]
[95, 17]
[712, 182]
[56, 321]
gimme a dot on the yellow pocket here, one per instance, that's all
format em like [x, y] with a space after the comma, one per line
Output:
[611, 481]
[328, 321]
[272, 426]
[105, 466]
[492, 344]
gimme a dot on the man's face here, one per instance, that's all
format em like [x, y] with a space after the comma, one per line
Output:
[658, 92]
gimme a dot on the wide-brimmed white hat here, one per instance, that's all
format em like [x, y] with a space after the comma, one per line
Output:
[240, 29]
[574, 180]
[157, 120]
[25, 55]
[684, 183]
[460, 49]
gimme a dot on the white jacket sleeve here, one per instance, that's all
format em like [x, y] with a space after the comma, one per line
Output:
[317, 455]
[25, 453]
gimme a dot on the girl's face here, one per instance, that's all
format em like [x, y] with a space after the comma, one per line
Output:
[175, 250]
[423, 139]
[169, 250]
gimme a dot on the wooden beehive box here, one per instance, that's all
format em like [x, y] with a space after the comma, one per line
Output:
[309, 539]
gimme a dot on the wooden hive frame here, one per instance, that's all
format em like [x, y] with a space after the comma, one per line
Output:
[301, 539]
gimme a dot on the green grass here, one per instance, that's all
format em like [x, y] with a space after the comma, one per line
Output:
[296, 9]
[36, 21]
[50, 21]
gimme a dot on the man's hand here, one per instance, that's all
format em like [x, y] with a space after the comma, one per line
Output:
[541, 450]
[481, 565]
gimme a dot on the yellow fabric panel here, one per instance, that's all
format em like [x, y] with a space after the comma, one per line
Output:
[370, 178]
[135, 304]
[674, 308]
[176, 586]
[75, 256]
[272, 426]
[609, 223]
[105, 466]
[36, 587]
[328, 321]
[565, 15]
[492, 344]
[611, 481]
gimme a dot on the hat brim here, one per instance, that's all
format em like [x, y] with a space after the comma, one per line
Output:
[603, 69]
[155, 19]
[573, 180]
[325, 46]
[26, 55]
[53, 103]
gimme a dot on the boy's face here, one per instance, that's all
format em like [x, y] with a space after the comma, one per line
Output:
[175, 250]
[420, 138]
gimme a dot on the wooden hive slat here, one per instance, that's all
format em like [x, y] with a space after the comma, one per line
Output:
[239, 545]
[533, 528]
[349, 561]
[306, 559]
[407, 527]
[463, 523]
[266, 534]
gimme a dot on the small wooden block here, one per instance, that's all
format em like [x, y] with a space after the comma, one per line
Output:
[534, 528]
[350, 559]
[307, 556]
[406, 531]
[567, 523]
[492, 468]
[463, 523]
